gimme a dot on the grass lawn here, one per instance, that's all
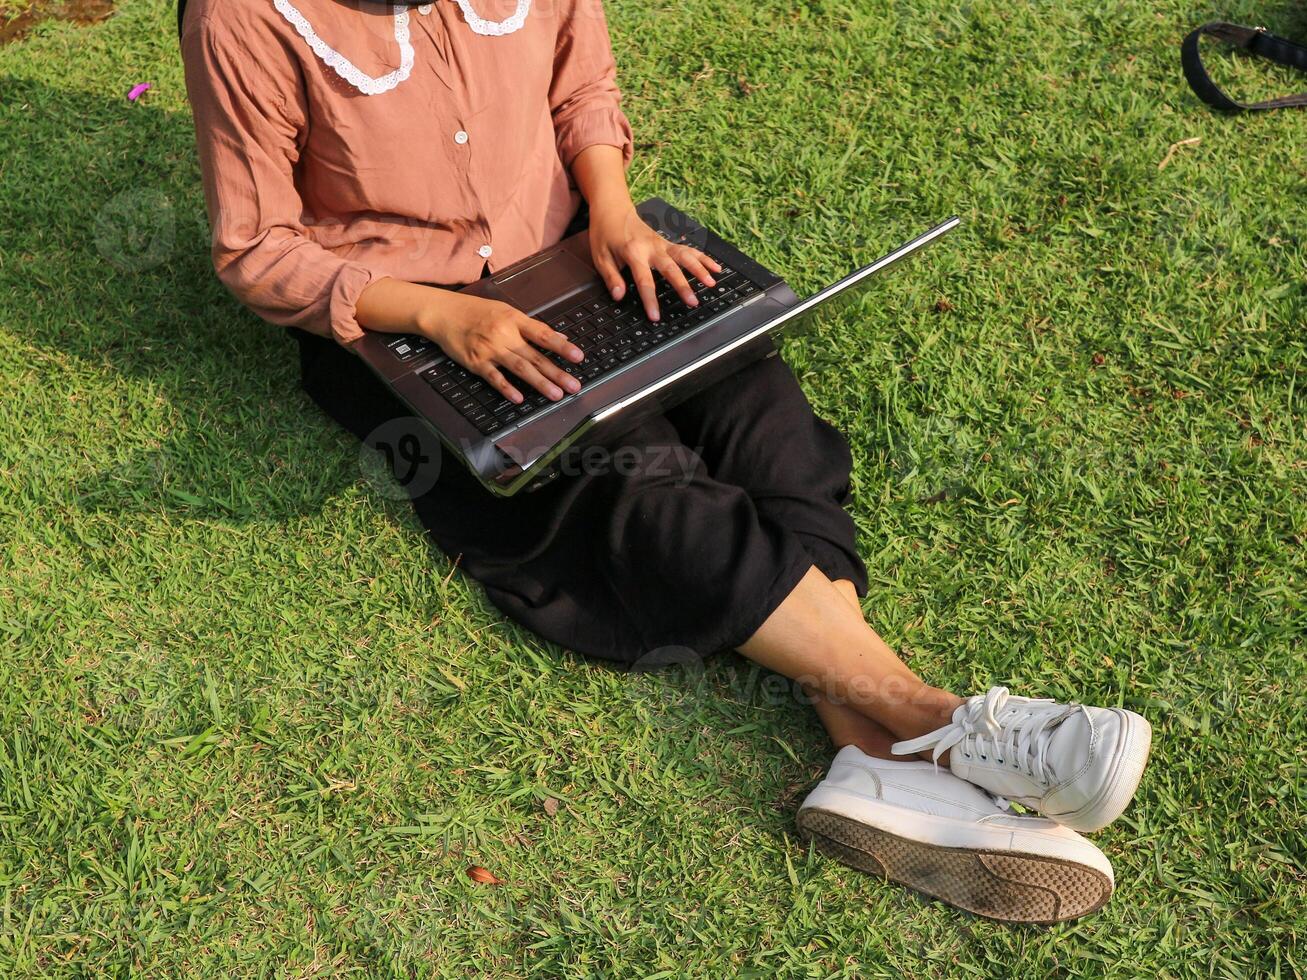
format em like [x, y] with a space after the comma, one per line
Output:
[252, 723]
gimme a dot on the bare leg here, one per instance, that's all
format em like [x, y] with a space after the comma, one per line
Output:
[845, 725]
[850, 593]
[818, 638]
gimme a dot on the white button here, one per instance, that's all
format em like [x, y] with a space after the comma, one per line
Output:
[460, 137]
[485, 251]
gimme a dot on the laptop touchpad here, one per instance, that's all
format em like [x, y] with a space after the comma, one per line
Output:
[545, 282]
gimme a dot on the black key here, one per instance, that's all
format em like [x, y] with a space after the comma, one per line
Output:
[626, 354]
[578, 314]
[491, 426]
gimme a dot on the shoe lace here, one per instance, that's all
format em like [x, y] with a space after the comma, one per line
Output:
[1015, 731]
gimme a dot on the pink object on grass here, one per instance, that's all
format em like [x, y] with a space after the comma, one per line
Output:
[137, 91]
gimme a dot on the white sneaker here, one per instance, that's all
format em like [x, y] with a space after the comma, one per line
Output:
[1079, 766]
[920, 825]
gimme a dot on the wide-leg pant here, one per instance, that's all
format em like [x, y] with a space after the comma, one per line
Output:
[686, 532]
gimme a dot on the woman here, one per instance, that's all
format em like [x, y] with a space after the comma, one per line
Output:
[357, 158]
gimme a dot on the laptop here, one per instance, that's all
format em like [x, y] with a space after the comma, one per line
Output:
[633, 368]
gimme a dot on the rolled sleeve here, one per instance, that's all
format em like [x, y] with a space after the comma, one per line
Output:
[345, 293]
[604, 126]
[584, 98]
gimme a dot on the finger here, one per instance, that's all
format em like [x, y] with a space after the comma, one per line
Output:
[527, 373]
[495, 378]
[644, 285]
[551, 370]
[610, 274]
[696, 264]
[676, 279]
[551, 340]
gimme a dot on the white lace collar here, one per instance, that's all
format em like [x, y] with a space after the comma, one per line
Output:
[369, 85]
[490, 28]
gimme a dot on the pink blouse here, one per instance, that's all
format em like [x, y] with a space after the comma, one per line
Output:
[343, 141]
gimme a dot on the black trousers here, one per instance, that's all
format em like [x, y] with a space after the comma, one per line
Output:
[676, 540]
[681, 536]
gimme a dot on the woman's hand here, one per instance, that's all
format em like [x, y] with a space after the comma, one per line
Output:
[483, 335]
[489, 337]
[619, 237]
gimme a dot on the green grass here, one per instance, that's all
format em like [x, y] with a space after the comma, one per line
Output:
[252, 723]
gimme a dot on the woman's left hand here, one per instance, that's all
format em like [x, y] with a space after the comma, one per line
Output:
[619, 237]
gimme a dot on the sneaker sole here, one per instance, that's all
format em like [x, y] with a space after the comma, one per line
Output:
[1003, 885]
[1119, 790]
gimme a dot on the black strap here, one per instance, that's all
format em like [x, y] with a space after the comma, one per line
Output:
[1256, 41]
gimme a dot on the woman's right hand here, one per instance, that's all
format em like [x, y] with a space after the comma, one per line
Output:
[490, 338]
[484, 335]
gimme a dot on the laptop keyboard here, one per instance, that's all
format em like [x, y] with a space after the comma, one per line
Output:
[610, 334]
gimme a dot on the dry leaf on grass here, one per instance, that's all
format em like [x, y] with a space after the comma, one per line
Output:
[1191, 141]
[482, 876]
[551, 806]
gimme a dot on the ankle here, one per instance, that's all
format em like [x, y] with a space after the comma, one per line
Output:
[876, 746]
[945, 703]
[935, 707]
[929, 708]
